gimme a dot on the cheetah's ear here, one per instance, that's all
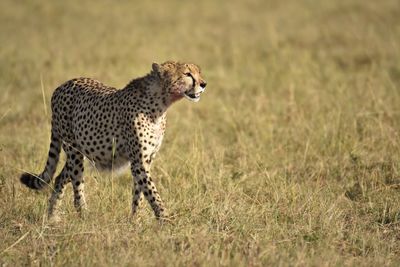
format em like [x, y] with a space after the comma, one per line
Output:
[156, 67]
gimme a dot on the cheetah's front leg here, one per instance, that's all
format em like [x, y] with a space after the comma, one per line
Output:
[137, 197]
[143, 184]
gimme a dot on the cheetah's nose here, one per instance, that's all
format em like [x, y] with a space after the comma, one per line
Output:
[203, 84]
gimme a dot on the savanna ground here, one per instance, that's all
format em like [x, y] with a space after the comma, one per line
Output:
[290, 158]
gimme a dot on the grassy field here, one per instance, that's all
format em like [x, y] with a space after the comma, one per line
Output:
[291, 158]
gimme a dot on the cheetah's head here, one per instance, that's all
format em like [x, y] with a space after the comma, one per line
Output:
[181, 80]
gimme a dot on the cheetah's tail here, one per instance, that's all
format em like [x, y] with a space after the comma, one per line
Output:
[38, 182]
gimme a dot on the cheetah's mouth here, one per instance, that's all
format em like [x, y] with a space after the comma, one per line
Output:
[194, 97]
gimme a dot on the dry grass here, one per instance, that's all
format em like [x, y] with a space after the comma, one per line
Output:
[290, 158]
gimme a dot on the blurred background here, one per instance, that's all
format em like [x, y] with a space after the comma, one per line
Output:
[290, 157]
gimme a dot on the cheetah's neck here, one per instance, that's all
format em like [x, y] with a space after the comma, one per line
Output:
[149, 92]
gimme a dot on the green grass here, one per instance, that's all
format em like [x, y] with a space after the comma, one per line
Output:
[290, 158]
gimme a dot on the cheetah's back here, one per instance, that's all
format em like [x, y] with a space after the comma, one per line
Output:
[86, 115]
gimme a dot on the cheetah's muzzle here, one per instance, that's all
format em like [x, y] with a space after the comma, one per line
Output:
[195, 97]
[194, 94]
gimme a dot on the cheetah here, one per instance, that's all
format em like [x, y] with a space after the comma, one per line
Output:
[113, 128]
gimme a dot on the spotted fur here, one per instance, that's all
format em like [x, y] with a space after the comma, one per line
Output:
[113, 128]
